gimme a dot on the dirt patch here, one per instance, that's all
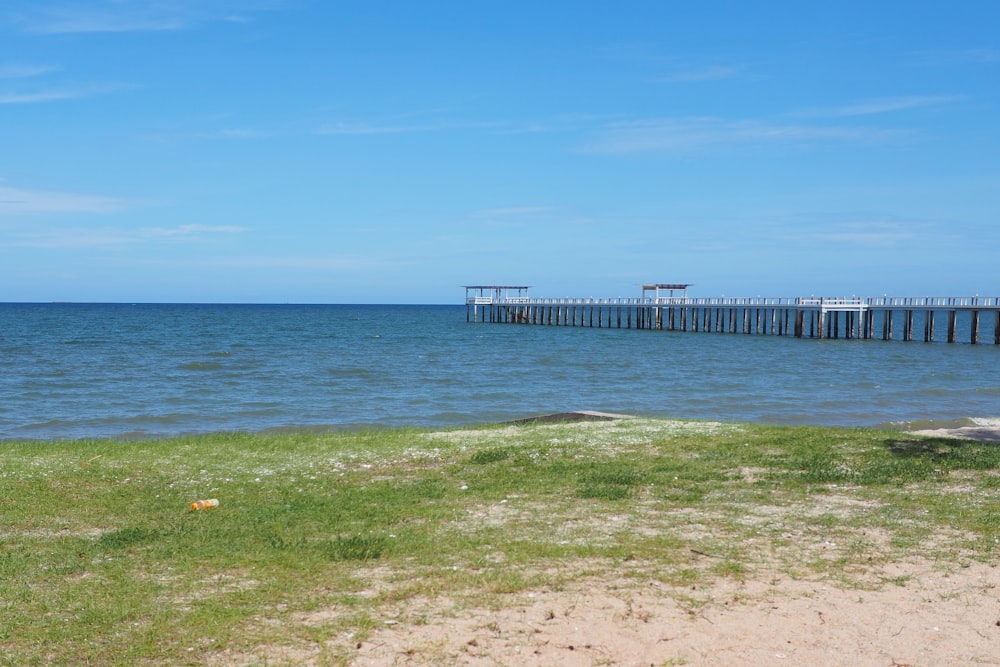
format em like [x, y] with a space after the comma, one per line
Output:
[616, 430]
[935, 618]
[920, 615]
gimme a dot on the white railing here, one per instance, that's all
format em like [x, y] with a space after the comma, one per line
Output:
[828, 303]
[944, 302]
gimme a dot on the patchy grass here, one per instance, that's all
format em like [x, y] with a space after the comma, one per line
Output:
[102, 562]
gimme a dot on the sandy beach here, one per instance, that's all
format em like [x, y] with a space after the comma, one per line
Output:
[938, 617]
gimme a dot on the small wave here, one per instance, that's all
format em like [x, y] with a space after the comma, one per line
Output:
[362, 373]
[935, 391]
[49, 424]
[83, 341]
[123, 427]
[932, 424]
[201, 366]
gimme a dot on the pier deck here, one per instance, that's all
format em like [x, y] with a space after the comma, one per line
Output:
[950, 318]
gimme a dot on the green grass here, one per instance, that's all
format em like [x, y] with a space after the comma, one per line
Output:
[102, 562]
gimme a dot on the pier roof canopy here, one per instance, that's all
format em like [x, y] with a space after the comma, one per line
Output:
[668, 286]
[482, 294]
[496, 286]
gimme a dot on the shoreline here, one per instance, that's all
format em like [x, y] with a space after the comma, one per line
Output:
[977, 429]
[973, 433]
[974, 429]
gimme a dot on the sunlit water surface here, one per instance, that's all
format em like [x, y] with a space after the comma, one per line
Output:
[96, 370]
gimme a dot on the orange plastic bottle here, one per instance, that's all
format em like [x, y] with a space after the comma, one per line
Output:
[205, 504]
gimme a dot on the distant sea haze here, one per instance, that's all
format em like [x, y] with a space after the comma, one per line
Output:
[160, 370]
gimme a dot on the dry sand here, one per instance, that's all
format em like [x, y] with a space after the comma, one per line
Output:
[934, 618]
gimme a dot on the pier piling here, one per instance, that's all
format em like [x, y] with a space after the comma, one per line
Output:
[660, 308]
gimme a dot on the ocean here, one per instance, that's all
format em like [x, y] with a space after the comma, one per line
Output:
[71, 371]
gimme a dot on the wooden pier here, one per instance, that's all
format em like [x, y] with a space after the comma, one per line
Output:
[951, 319]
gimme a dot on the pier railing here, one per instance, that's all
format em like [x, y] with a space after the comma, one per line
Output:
[829, 303]
[936, 302]
[813, 317]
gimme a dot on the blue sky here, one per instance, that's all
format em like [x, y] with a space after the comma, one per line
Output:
[391, 152]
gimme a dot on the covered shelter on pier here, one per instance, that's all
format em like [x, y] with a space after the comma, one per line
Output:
[489, 294]
[490, 298]
[658, 290]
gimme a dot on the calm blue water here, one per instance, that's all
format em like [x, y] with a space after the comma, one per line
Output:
[135, 371]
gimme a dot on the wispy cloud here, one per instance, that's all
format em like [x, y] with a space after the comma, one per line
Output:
[58, 93]
[79, 22]
[352, 128]
[697, 74]
[234, 133]
[21, 71]
[394, 126]
[21, 205]
[183, 232]
[77, 16]
[241, 133]
[984, 55]
[21, 201]
[860, 230]
[27, 84]
[66, 238]
[677, 69]
[879, 106]
[521, 217]
[514, 211]
[37, 97]
[687, 135]
[324, 263]
[108, 237]
[868, 234]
